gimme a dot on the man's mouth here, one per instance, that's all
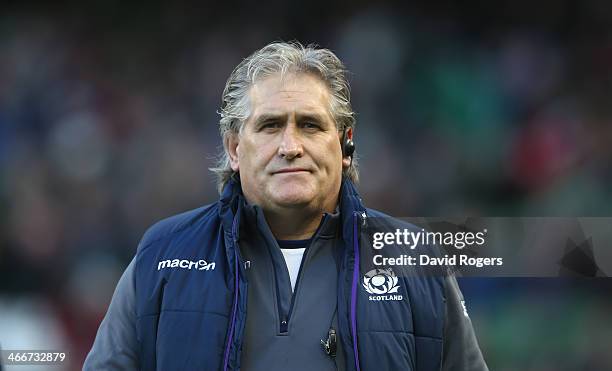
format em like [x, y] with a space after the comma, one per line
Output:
[291, 170]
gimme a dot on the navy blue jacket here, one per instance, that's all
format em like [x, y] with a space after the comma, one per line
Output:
[204, 299]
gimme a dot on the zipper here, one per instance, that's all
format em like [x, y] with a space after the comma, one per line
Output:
[354, 284]
[286, 317]
[235, 305]
[284, 324]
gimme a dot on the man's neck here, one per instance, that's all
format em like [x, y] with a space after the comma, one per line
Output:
[293, 224]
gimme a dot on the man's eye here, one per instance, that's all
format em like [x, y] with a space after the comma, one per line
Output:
[311, 125]
[270, 125]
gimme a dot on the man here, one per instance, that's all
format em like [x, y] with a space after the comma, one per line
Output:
[271, 277]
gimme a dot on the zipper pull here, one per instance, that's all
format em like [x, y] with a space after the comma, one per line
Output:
[284, 325]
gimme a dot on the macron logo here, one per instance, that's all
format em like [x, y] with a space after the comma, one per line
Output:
[200, 265]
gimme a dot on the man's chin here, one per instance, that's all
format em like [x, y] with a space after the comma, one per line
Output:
[292, 202]
[292, 199]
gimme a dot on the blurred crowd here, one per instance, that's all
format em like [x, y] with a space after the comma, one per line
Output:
[108, 122]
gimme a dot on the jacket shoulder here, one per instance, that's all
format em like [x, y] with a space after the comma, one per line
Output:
[168, 227]
[388, 222]
[381, 222]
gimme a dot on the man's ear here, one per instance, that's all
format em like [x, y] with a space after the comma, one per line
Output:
[346, 160]
[231, 142]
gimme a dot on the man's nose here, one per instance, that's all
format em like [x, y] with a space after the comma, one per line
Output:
[290, 146]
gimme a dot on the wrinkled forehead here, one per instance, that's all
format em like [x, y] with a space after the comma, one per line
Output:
[302, 94]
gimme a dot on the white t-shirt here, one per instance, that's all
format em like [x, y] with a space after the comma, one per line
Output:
[293, 258]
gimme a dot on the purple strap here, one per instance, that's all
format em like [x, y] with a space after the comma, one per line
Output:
[354, 292]
[235, 306]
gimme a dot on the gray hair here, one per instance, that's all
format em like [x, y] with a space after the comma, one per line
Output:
[283, 58]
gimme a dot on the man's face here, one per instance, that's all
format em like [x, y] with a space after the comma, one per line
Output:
[288, 152]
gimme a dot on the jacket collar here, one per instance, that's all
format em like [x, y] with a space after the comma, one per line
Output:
[232, 203]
